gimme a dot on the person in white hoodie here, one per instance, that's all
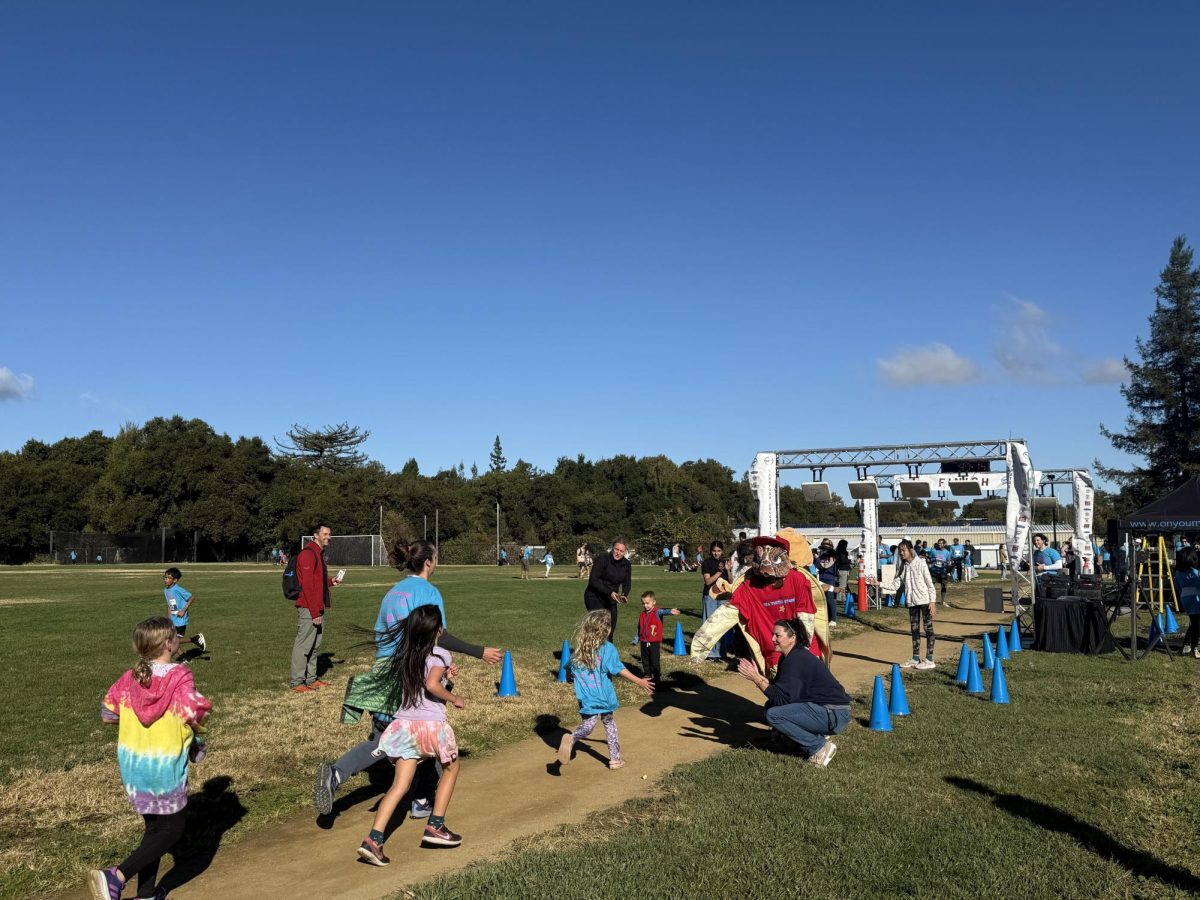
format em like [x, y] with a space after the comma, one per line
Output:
[912, 577]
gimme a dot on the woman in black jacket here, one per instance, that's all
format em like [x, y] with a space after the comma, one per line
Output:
[609, 583]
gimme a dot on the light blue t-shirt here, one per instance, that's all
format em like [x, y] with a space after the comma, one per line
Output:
[1188, 585]
[940, 557]
[593, 687]
[1047, 557]
[403, 598]
[527, 553]
[177, 598]
[956, 550]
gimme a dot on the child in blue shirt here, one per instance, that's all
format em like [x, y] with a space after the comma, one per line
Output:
[594, 663]
[179, 602]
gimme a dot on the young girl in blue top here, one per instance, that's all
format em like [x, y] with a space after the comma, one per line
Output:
[594, 663]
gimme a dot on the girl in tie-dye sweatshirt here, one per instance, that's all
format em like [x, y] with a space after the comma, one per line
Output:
[159, 713]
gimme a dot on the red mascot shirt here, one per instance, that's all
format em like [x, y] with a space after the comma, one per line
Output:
[761, 607]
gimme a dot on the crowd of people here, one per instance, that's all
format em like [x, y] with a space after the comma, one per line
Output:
[759, 603]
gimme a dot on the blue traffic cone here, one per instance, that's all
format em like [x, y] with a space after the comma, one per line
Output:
[848, 609]
[903, 599]
[680, 645]
[974, 679]
[880, 720]
[964, 665]
[1014, 638]
[989, 658]
[1002, 645]
[898, 703]
[999, 687]
[1172, 625]
[891, 601]
[1156, 634]
[565, 661]
[508, 681]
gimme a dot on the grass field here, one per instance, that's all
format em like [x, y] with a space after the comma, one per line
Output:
[64, 638]
[1080, 788]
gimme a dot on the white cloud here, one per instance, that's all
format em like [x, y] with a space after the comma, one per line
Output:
[1024, 349]
[1107, 371]
[14, 386]
[931, 364]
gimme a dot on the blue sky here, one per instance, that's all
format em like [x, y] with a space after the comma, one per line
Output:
[590, 228]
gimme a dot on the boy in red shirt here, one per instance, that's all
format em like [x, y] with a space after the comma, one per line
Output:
[650, 635]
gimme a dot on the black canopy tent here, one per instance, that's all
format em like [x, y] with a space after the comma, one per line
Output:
[1173, 513]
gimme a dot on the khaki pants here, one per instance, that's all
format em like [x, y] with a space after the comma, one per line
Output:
[305, 647]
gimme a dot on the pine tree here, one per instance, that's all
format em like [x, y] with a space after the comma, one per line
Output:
[497, 462]
[1163, 391]
[334, 447]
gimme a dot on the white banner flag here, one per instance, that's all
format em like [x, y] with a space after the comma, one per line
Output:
[869, 546]
[1019, 517]
[1085, 499]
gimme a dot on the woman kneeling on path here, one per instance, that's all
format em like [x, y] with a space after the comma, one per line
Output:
[804, 702]
[914, 579]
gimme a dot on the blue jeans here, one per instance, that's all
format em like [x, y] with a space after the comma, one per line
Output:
[808, 724]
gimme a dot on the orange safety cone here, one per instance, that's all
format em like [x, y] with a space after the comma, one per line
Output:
[862, 592]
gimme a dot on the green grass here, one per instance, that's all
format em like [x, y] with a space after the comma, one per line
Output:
[64, 638]
[1082, 787]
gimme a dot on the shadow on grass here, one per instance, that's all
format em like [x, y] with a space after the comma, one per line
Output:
[210, 814]
[1051, 818]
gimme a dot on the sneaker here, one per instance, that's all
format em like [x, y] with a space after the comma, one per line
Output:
[1186, 650]
[440, 837]
[301, 689]
[913, 663]
[421, 809]
[319, 684]
[200, 642]
[105, 884]
[1196, 653]
[616, 763]
[160, 894]
[373, 853]
[823, 757]
[326, 784]
[927, 664]
[565, 746]
[833, 624]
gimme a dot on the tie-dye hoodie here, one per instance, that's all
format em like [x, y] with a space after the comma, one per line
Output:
[156, 730]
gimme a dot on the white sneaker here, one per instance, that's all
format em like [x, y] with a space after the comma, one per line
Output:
[823, 757]
[927, 664]
[833, 624]
[1186, 650]
[913, 663]
[1196, 653]
[200, 642]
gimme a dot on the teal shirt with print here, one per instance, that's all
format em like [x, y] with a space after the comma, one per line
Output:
[177, 599]
[593, 687]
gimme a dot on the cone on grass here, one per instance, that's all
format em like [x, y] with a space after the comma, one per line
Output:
[565, 660]
[964, 664]
[1156, 634]
[903, 599]
[989, 658]
[898, 701]
[508, 681]
[999, 686]
[1172, 625]
[848, 608]
[1014, 637]
[1002, 645]
[974, 678]
[680, 645]
[880, 719]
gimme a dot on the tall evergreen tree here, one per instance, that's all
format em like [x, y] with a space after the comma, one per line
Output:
[333, 447]
[497, 462]
[1163, 391]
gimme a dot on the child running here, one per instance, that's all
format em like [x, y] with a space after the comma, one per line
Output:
[419, 730]
[179, 602]
[158, 712]
[593, 663]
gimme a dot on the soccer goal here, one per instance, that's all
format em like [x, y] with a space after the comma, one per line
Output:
[353, 550]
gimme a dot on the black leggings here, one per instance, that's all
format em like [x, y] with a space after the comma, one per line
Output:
[1192, 638]
[162, 833]
[592, 605]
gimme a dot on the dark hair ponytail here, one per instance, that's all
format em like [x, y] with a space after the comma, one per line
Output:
[411, 555]
[418, 634]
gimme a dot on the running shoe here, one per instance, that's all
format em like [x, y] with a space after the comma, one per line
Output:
[440, 837]
[373, 853]
[104, 884]
[421, 809]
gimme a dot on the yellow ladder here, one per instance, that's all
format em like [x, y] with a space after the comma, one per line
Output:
[1154, 578]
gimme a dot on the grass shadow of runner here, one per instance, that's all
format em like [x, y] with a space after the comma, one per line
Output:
[721, 716]
[210, 813]
[1051, 818]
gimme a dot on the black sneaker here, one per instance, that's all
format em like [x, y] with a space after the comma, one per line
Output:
[373, 853]
[324, 787]
[440, 837]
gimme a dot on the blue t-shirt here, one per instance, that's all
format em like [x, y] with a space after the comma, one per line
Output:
[177, 598]
[527, 553]
[940, 558]
[956, 551]
[593, 687]
[885, 555]
[1046, 557]
[1188, 585]
[403, 598]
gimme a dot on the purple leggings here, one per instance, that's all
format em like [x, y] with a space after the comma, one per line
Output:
[610, 732]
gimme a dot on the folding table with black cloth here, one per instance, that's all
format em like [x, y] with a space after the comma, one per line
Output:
[1071, 625]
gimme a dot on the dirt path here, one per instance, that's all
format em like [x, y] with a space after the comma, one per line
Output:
[517, 792]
